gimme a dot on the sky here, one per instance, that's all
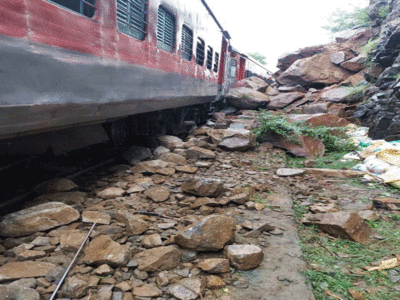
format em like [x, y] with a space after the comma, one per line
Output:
[275, 27]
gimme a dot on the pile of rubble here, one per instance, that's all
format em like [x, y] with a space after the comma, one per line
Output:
[167, 227]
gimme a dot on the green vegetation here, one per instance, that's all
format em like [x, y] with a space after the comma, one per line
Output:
[356, 93]
[341, 19]
[370, 46]
[278, 124]
[258, 57]
[337, 264]
[330, 160]
[383, 12]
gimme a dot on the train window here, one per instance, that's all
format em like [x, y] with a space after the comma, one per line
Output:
[200, 52]
[165, 30]
[187, 43]
[209, 57]
[233, 68]
[216, 62]
[132, 17]
[84, 7]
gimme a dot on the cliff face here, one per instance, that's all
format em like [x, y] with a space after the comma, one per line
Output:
[381, 108]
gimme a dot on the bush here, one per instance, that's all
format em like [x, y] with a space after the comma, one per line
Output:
[341, 20]
[278, 124]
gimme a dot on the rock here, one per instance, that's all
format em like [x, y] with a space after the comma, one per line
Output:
[254, 83]
[166, 171]
[357, 35]
[244, 257]
[197, 143]
[288, 89]
[173, 158]
[338, 57]
[283, 100]
[160, 150]
[199, 153]
[233, 140]
[315, 69]
[96, 216]
[285, 172]
[160, 258]
[147, 290]
[151, 166]
[104, 270]
[18, 292]
[171, 142]
[347, 225]
[136, 153]
[123, 286]
[327, 120]
[304, 146]
[69, 198]
[74, 287]
[240, 198]
[134, 224]
[326, 207]
[25, 269]
[104, 292]
[215, 265]
[355, 64]
[203, 187]
[72, 241]
[334, 173]
[187, 289]
[158, 193]
[316, 108]
[54, 186]
[285, 61]
[186, 169]
[211, 233]
[111, 193]
[204, 201]
[340, 94]
[151, 241]
[39, 218]
[103, 250]
[215, 283]
[246, 98]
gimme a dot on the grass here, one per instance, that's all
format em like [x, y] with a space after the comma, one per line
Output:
[369, 47]
[337, 264]
[330, 160]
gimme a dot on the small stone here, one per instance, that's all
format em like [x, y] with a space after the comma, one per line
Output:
[160, 150]
[104, 292]
[187, 289]
[173, 158]
[25, 269]
[151, 241]
[171, 142]
[30, 255]
[111, 193]
[146, 290]
[199, 153]
[202, 164]
[123, 286]
[162, 279]
[244, 257]
[103, 250]
[240, 198]
[74, 288]
[215, 283]
[72, 241]
[215, 265]
[104, 270]
[134, 224]
[41, 241]
[286, 172]
[142, 275]
[135, 189]
[166, 171]
[158, 194]
[203, 187]
[206, 210]
[186, 169]
[96, 217]
[160, 258]
[204, 201]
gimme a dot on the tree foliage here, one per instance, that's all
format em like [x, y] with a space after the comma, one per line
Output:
[259, 57]
[341, 19]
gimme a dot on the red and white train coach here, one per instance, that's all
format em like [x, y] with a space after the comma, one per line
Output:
[67, 66]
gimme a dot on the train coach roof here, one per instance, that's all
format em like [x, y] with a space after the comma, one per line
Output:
[224, 32]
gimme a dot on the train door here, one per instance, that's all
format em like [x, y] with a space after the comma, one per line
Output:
[242, 69]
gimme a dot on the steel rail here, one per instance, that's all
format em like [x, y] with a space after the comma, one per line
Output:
[72, 263]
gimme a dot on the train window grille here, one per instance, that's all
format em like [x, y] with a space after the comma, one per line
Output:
[165, 30]
[187, 43]
[216, 62]
[83, 7]
[132, 17]
[209, 58]
[200, 52]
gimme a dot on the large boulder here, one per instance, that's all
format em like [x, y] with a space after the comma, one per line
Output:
[254, 83]
[25, 269]
[212, 233]
[38, 218]
[283, 100]
[338, 94]
[355, 64]
[246, 98]
[285, 61]
[302, 146]
[233, 139]
[317, 69]
[357, 36]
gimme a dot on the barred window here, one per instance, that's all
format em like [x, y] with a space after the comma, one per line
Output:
[84, 7]
[209, 57]
[132, 17]
[216, 62]
[165, 30]
[233, 68]
[187, 43]
[200, 52]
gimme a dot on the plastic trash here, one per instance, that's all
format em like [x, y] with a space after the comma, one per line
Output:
[360, 167]
[377, 166]
[391, 175]
[351, 156]
[390, 155]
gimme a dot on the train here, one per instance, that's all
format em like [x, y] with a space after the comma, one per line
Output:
[74, 73]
